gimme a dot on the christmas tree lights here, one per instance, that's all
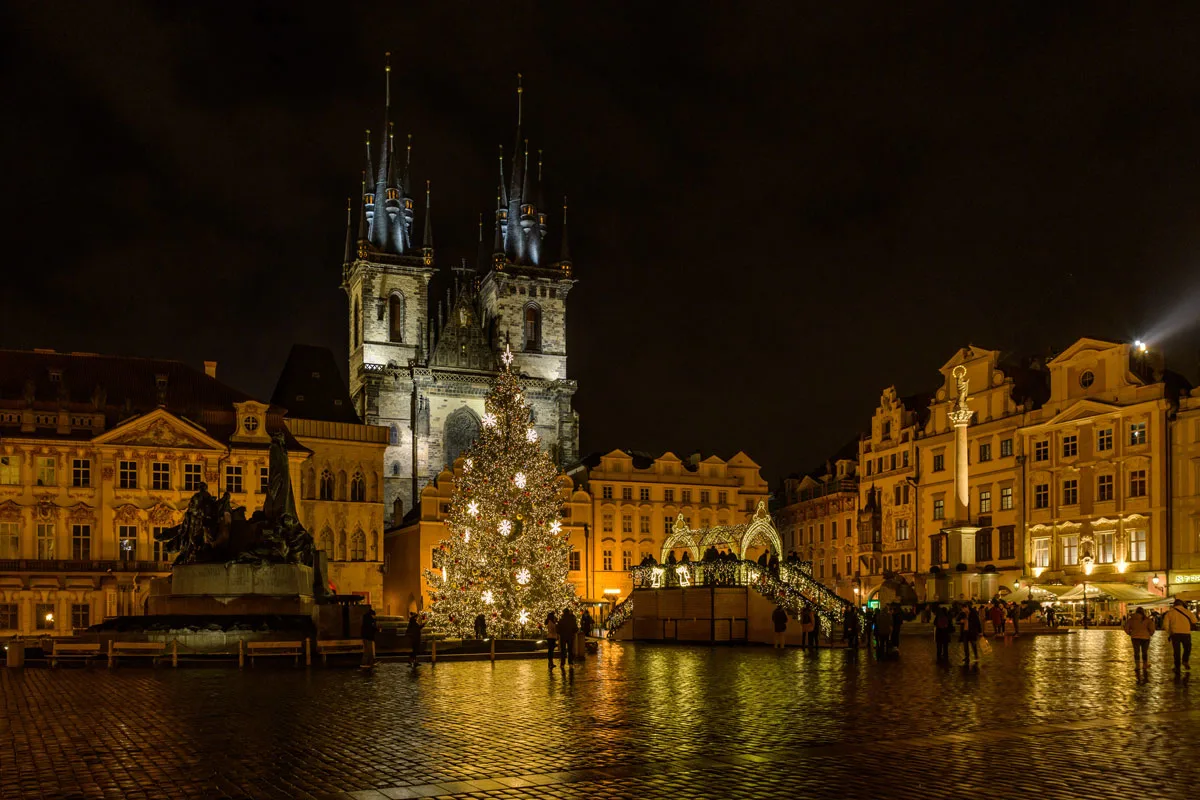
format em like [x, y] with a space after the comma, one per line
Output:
[506, 555]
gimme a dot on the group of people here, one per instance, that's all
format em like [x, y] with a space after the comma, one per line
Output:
[808, 627]
[370, 627]
[1177, 622]
[561, 631]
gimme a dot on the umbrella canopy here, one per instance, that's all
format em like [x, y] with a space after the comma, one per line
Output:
[1122, 592]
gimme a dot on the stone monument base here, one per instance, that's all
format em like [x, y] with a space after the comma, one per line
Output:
[203, 589]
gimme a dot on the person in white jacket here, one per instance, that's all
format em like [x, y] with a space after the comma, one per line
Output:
[1177, 624]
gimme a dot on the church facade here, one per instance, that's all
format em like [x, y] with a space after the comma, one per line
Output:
[421, 364]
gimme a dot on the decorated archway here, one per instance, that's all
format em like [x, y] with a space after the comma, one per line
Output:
[762, 529]
[740, 538]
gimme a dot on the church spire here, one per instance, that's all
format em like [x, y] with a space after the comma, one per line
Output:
[364, 219]
[349, 252]
[427, 239]
[564, 257]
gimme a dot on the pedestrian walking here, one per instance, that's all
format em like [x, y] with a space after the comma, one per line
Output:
[551, 636]
[996, 615]
[807, 623]
[413, 634]
[883, 632]
[567, 629]
[369, 627]
[779, 618]
[971, 627]
[898, 616]
[1140, 629]
[1014, 616]
[1178, 623]
[941, 634]
[850, 629]
[586, 622]
[480, 627]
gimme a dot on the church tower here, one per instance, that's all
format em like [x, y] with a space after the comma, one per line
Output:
[386, 278]
[423, 367]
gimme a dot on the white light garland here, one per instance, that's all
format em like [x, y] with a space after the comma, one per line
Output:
[505, 527]
[473, 508]
[466, 535]
[523, 576]
[489, 420]
[488, 597]
[507, 357]
[519, 480]
[531, 435]
[467, 465]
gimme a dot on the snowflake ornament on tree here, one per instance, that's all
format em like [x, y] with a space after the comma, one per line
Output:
[506, 539]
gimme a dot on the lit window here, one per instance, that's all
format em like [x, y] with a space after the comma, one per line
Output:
[901, 530]
[127, 539]
[10, 540]
[1006, 448]
[10, 470]
[45, 541]
[1070, 550]
[608, 523]
[43, 616]
[939, 509]
[985, 502]
[608, 560]
[1041, 553]
[1006, 498]
[46, 471]
[1137, 545]
[1104, 547]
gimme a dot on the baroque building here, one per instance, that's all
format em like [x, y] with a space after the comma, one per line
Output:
[818, 521]
[97, 453]
[1097, 478]
[340, 500]
[421, 365]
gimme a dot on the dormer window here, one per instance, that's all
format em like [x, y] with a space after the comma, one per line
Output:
[369, 198]
[392, 194]
[408, 204]
[527, 210]
[56, 376]
[250, 424]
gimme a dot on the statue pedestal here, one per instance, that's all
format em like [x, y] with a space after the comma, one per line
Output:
[199, 589]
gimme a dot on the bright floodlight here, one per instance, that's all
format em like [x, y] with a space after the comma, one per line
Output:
[1140, 345]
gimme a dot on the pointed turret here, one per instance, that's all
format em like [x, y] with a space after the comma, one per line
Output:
[427, 238]
[380, 217]
[348, 254]
[364, 219]
[393, 236]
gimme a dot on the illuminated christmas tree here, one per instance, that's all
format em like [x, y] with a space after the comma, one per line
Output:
[506, 557]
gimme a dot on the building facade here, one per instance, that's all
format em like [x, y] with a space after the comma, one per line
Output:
[887, 520]
[340, 500]
[421, 362]
[1096, 482]
[818, 522]
[1184, 546]
[1001, 394]
[97, 453]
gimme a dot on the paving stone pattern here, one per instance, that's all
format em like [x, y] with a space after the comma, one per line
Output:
[1045, 717]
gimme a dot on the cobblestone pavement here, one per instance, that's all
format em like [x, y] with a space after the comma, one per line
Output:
[1047, 717]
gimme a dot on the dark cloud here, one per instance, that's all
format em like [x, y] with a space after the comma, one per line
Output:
[777, 209]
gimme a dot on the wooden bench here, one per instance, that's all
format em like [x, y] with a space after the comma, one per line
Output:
[337, 646]
[151, 650]
[294, 649]
[72, 650]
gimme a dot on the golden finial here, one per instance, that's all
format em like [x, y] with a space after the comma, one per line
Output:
[520, 91]
[387, 77]
[539, 165]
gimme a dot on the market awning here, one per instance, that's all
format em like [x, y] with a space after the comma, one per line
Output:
[1056, 589]
[1039, 593]
[1122, 592]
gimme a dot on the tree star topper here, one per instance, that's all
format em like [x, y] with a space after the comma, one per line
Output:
[507, 358]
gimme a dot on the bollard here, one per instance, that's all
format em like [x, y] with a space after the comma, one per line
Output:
[174, 653]
[493, 649]
[112, 661]
[433, 653]
[307, 653]
[241, 654]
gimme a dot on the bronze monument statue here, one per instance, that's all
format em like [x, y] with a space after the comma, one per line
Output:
[214, 532]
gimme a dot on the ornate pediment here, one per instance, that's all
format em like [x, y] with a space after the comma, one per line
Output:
[81, 512]
[162, 515]
[126, 514]
[158, 429]
[10, 511]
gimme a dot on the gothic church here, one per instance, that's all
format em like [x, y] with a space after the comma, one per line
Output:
[422, 367]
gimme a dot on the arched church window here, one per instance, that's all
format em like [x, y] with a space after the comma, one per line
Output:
[533, 329]
[358, 546]
[396, 468]
[396, 309]
[326, 485]
[394, 435]
[358, 488]
[462, 428]
[326, 542]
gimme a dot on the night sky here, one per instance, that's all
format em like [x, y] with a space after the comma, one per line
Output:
[776, 210]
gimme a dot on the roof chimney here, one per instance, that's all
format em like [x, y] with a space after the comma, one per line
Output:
[210, 369]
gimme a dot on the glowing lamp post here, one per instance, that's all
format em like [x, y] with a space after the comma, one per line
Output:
[1087, 571]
